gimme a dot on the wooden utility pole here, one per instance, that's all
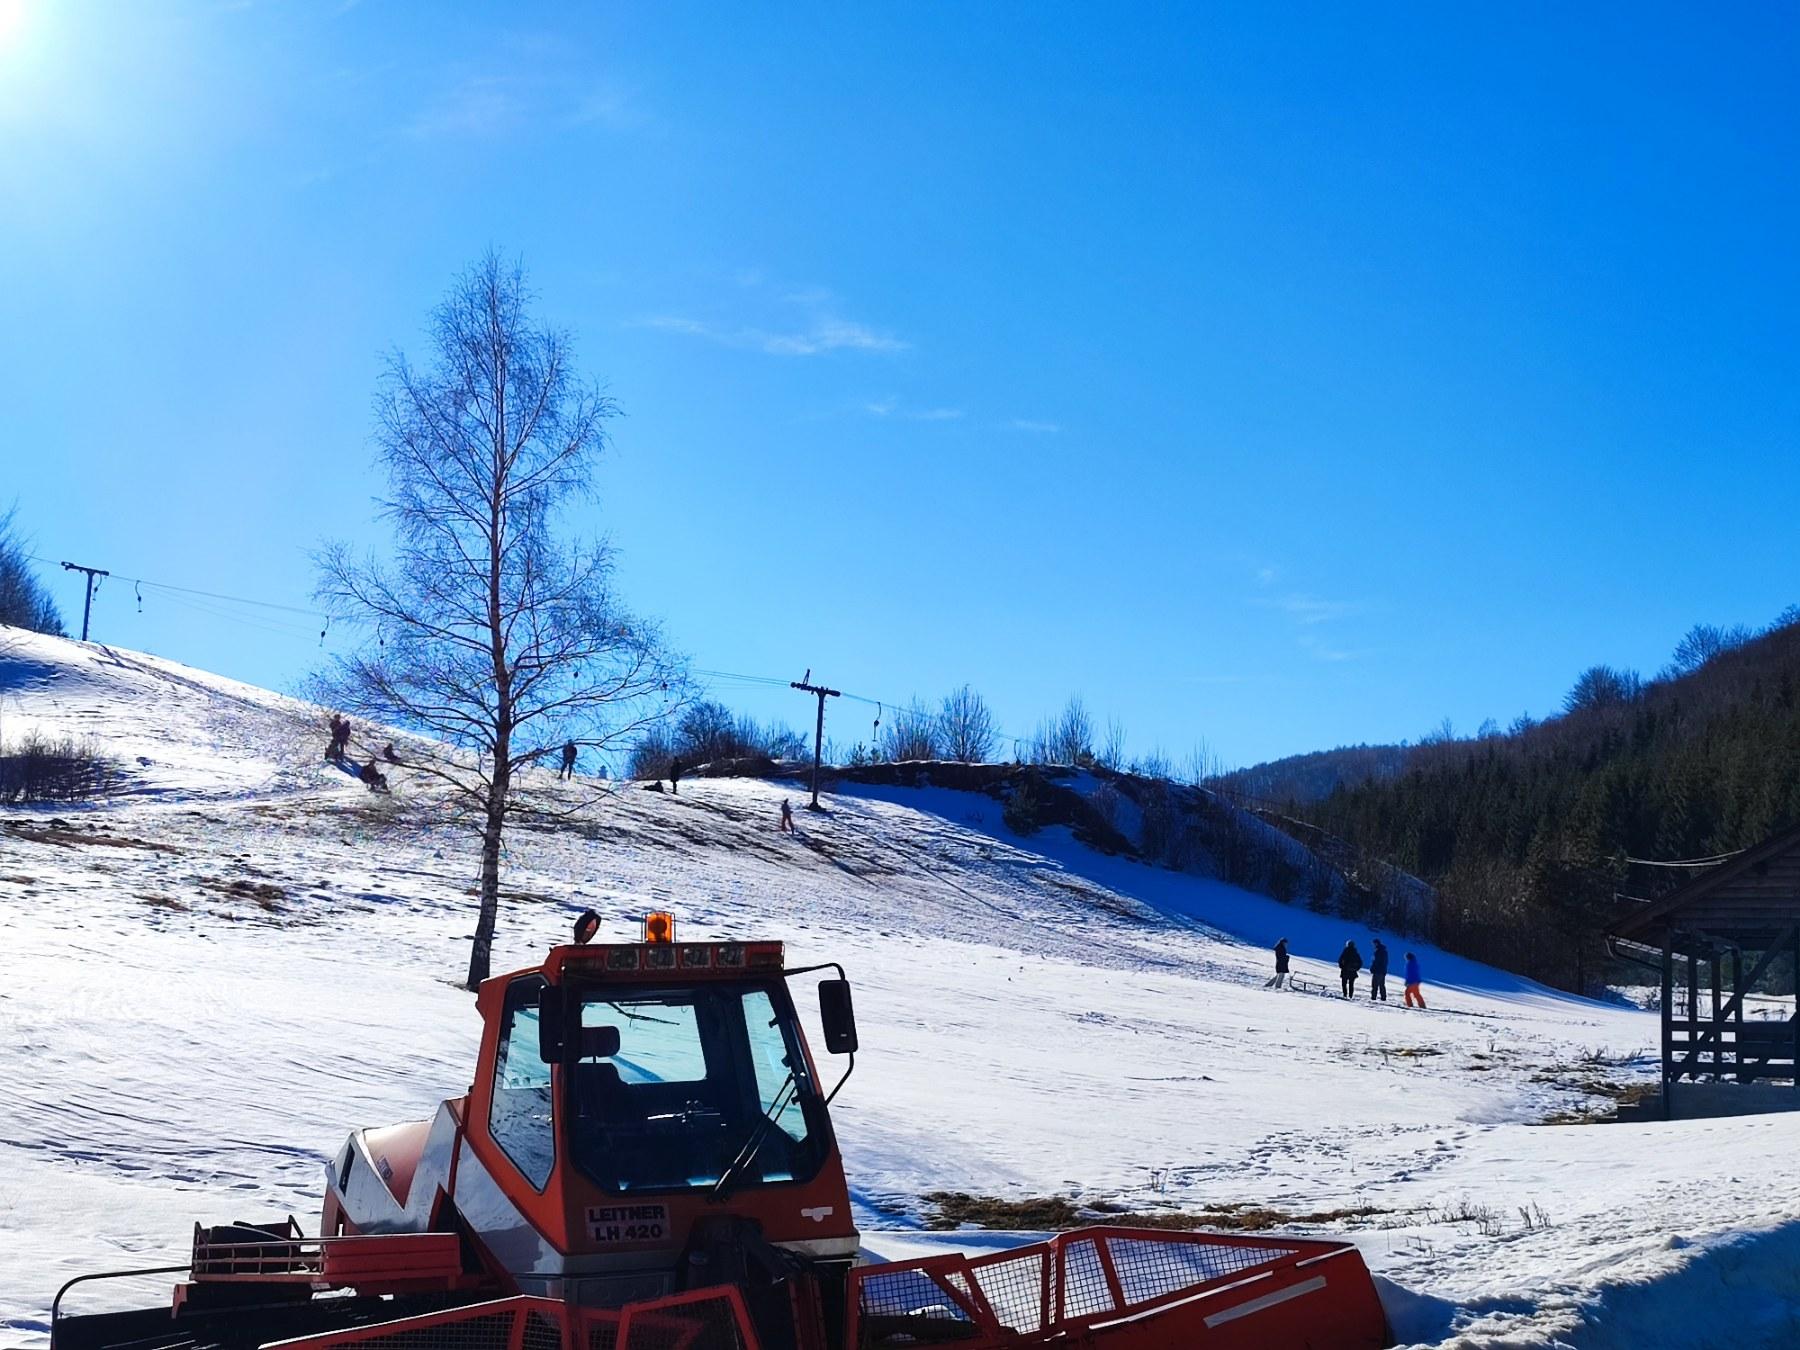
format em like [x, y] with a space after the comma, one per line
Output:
[87, 610]
[822, 694]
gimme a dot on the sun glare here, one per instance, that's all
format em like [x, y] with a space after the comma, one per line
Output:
[12, 23]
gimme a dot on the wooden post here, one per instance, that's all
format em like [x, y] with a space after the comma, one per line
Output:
[1718, 1046]
[1796, 1022]
[1693, 1017]
[1737, 993]
[1668, 1020]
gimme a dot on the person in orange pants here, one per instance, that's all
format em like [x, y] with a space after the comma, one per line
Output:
[1414, 999]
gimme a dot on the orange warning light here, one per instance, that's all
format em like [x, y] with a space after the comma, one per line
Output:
[659, 926]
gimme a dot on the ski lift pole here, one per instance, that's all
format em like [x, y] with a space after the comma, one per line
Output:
[93, 575]
[821, 693]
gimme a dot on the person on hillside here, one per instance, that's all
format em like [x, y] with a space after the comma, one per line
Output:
[340, 738]
[1414, 999]
[586, 927]
[675, 776]
[787, 816]
[568, 761]
[373, 778]
[1281, 965]
[1378, 968]
[1350, 964]
[391, 755]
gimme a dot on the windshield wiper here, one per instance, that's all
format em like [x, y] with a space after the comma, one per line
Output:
[747, 1154]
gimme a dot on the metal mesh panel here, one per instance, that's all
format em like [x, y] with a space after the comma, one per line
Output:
[907, 1294]
[542, 1333]
[1085, 1291]
[603, 1331]
[1014, 1289]
[703, 1324]
[490, 1331]
[1149, 1268]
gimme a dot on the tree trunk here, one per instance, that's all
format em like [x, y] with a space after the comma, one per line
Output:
[481, 956]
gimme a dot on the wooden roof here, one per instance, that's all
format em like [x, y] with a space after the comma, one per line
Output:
[1754, 895]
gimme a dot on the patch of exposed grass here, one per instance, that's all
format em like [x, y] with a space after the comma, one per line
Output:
[1055, 1214]
[64, 835]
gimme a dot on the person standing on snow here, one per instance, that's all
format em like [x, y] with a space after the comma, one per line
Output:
[1281, 964]
[1378, 966]
[787, 817]
[1350, 964]
[568, 764]
[1413, 997]
[675, 776]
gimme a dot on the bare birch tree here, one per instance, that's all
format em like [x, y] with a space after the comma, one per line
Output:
[967, 726]
[490, 629]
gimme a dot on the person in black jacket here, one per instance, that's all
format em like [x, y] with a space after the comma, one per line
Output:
[675, 775]
[1281, 965]
[1350, 964]
[1378, 967]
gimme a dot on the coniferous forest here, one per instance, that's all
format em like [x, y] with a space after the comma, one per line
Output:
[1537, 836]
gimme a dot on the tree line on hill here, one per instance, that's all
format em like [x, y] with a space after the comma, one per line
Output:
[24, 603]
[1536, 836]
[960, 728]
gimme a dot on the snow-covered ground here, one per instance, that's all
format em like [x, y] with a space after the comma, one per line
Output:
[206, 982]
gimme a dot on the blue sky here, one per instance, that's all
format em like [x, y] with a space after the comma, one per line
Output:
[1274, 376]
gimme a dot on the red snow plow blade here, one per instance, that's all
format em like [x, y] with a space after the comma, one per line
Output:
[1125, 1289]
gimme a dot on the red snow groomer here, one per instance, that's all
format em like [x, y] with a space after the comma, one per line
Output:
[645, 1162]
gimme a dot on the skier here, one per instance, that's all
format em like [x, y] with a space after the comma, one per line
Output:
[1281, 965]
[1413, 997]
[586, 927]
[1350, 964]
[1378, 966]
[787, 817]
[568, 763]
[675, 776]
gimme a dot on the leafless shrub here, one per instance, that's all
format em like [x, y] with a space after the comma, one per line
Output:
[1067, 738]
[910, 733]
[965, 727]
[56, 769]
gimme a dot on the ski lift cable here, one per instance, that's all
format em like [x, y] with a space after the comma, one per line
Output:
[209, 595]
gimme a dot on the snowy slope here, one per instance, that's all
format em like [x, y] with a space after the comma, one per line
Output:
[203, 985]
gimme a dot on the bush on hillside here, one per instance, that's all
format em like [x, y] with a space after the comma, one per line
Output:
[45, 769]
[1023, 809]
[709, 731]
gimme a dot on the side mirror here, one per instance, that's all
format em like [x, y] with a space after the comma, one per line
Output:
[838, 1016]
[550, 1024]
[599, 1042]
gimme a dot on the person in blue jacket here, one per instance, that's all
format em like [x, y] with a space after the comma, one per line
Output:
[1413, 997]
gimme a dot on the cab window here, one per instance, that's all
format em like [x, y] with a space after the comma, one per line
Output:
[519, 1117]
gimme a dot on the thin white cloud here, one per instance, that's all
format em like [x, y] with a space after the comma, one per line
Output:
[1035, 426]
[1325, 651]
[823, 334]
[891, 407]
[529, 82]
[1310, 609]
[480, 106]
